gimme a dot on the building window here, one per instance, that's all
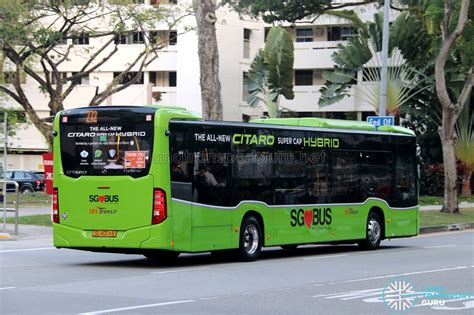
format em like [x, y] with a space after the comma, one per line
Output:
[62, 78]
[172, 78]
[173, 38]
[81, 80]
[10, 78]
[336, 33]
[247, 43]
[163, 78]
[158, 2]
[304, 35]
[81, 39]
[130, 38]
[245, 93]
[303, 77]
[129, 77]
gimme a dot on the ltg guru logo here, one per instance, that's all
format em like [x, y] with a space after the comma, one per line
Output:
[312, 217]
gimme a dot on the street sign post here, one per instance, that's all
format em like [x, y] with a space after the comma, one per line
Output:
[378, 121]
[48, 172]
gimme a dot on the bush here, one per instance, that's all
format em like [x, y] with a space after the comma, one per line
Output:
[433, 180]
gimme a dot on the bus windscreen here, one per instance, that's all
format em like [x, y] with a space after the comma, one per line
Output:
[105, 142]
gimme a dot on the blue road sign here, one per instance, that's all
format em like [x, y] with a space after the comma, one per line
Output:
[378, 121]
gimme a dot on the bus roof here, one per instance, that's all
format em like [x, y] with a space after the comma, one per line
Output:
[332, 124]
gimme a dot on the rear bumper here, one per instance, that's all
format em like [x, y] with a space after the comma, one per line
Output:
[133, 240]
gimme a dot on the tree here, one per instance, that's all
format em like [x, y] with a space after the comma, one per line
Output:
[205, 12]
[271, 72]
[451, 105]
[39, 38]
[464, 145]
[406, 76]
[292, 11]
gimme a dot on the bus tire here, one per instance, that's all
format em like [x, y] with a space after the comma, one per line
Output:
[289, 247]
[163, 256]
[373, 232]
[251, 240]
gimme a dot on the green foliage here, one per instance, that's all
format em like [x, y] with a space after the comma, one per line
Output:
[276, 10]
[464, 142]
[279, 58]
[271, 72]
[362, 51]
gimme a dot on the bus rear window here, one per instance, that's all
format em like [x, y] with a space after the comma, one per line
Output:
[106, 141]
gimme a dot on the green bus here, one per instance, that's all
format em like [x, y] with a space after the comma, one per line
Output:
[160, 181]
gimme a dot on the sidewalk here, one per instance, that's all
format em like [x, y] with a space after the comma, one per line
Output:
[438, 207]
[26, 232]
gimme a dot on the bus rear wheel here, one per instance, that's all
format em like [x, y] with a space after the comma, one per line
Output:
[250, 239]
[162, 256]
[373, 234]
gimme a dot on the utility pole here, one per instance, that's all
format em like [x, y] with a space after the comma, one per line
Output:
[384, 70]
[5, 141]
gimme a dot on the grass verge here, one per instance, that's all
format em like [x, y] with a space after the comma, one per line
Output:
[434, 200]
[37, 219]
[435, 218]
[37, 199]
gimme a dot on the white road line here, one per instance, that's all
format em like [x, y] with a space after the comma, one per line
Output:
[322, 257]
[7, 288]
[440, 246]
[396, 275]
[137, 307]
[26, 249]
[179, 270]
[346, 293]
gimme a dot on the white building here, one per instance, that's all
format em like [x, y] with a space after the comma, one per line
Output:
[174, 77]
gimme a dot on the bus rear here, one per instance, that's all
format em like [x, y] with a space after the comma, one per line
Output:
[105, 195]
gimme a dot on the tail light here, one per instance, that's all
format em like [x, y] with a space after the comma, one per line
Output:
[55, 206]
[159, 206]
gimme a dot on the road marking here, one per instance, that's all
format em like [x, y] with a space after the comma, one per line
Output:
[180, 270]
[7, 288]
[440, 246]
[322, 257]
[137, 307]
[26, 249]
[346, 293]
[396, 275]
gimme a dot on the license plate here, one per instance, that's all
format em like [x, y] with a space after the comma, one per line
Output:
[104, 233]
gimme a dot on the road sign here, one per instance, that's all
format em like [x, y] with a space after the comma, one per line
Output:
[48, 172]
[378, 121]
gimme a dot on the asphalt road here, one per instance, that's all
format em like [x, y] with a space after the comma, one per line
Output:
[36, 278]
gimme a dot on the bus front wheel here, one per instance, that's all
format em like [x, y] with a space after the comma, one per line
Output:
[250, 239]
[373, 234]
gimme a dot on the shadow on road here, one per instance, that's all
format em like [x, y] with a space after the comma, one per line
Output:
[228, 257]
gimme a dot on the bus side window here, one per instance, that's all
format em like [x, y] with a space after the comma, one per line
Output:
[180, 167]
[405, 174]
[376, 175]
[346, 176]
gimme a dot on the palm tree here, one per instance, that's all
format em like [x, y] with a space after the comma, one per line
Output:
[362, 53]
[464, 147]
[271, 72]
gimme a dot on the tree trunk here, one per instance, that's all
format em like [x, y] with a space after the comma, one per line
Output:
[466, 183]
[450, 204]
[205, 12]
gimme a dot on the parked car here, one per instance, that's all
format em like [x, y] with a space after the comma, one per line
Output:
[27, 180]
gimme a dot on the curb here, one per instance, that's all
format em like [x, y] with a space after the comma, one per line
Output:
[446, 228]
